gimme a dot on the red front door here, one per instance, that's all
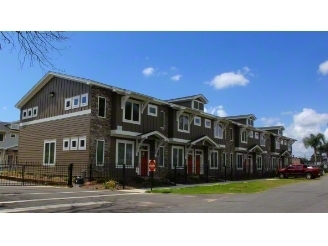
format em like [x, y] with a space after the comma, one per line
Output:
[144, 162]
[190, 164]
[197, 164]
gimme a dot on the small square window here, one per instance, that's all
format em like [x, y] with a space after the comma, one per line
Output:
[76, 102]
[68, 103]
[12, 135]
[74, 143]
[82, 143]
[35, 111]
[207, 123]
[250, 134]
[256, 135]
[66, 144]
[197, 121]
[24, 115]
[152, 110]
[84, 100]
[29, 113]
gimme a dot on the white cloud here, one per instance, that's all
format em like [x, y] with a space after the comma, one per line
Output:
[230, 79]
[176, 77]
[304, 123]
[218, 110]
[323, 68]
[4, 108]
[173, 68]
[271, 121]
[148, 71]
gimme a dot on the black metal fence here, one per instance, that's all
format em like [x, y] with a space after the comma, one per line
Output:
[68, 174]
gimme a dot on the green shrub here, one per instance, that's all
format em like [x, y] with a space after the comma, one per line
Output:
[110, 185]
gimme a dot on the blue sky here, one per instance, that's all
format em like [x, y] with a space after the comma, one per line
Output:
[273, 75]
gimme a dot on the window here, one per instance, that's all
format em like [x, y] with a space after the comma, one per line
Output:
[49, 152]
[231, 134]
[274, 164]
[102, 107]
[131, 112]
[35, 111]
[76, 102]
[214, 161]
[29, 113]
[163, 118]
[14, 126]
[259, 162]
[82, 143]
[244, 137]
[198, 105]
[231, 159]
[207, 123]
[152, 110]
[250, 134]
[224, 159]
[183, 125]
[66, 144]
[289, 147]
[68, 103]
[277, 144]
[100, 153]
[279, 132]
[262, 140]
[24, 115]
[124, 153]
[281, 142]
[249, 122]
[161, 156]
[74, 143]
[218, 132]
[2, 137]
[285, 142]
[84, 100]
[197, 121]
[177, 156]
[12, 135]
[239, 161]
[256, 135]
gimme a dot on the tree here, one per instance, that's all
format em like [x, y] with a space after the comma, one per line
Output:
[34, 46]
[314, 141]
[324, 149]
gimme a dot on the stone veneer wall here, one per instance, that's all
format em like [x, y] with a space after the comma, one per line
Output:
[165, 132]
[100, 127]
[229, 148]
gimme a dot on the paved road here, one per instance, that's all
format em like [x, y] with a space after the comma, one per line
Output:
[307, 197]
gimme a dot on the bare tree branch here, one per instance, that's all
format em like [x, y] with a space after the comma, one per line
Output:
[34, 46]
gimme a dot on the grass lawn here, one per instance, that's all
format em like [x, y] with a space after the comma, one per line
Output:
[238, 187]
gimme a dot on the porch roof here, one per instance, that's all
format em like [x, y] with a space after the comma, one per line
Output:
[154, 133]
[207, 139]
[284, 153]
[254, 148]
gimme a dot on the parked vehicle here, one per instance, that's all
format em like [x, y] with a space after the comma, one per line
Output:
[322, 171]
[299, 170]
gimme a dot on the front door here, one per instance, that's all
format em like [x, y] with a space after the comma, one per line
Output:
[250, 164]
[190, 160]
[10, 159]
[144, 162]
[198, 162]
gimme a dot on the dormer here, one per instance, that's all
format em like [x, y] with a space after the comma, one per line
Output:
[247, 119]
[279, 130]
[194, 102]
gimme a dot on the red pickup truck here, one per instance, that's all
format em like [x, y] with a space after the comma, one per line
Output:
[299, 170]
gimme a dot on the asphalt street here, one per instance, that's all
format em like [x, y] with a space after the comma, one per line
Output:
[307, 197]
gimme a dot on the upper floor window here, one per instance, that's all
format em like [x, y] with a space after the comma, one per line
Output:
[250, 134]
[285, 142]
[218, 132]
[131, 112]
[249, 122]
[183, 125]
[262, 140]
[84, 100]
[277, 144]
[197, 121]
[2, 137]
[279, 132]
[102, 107]
[24, 114]
[152, 110]
[35, 111]
[198, 105]
[256, 135]
[244, 137]
[68, 103]
[76, 102]
[207, 123]
[14, 126]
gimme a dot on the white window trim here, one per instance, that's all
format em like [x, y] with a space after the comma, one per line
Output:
[250, 134]
[257, 158]
[277, 144]
[66, 140]
[77, 143]
[131, 121]
[152, 106]
[183, 156]
[207, 120]
[12, 135]
[87, 99]
[4, 137]
[218, 136]
[210, 162]
[30, 110]
[104, 107]
[44, 145]
[161, 165]
[185, 131]
[78, 102]
[85, 143]
[116, 153]
[242, 160]
[273, 162]
[103, 154]
[199, 102]
[256, 135]
[24, 117]
[70, 103]
[35, 109]
[241, 137]
[200, 121]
